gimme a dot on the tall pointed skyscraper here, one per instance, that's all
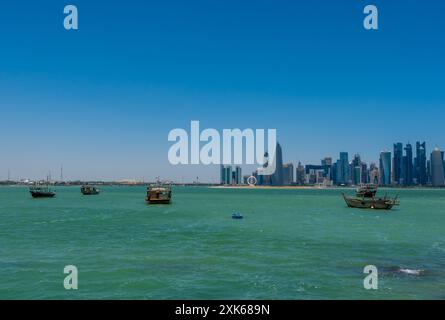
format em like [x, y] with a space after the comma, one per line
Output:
[343, 168]
[408, 165]
[398, 163]
[420, 169]
[277, 177]
[385, 168]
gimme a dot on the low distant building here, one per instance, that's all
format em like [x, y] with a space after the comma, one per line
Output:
[129, 182]
[317, 174]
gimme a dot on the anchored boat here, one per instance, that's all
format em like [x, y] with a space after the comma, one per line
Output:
[366, 199]
[89, 190]
[41, 192]
[159, 193]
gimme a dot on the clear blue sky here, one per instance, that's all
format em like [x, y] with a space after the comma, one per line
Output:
[101, 100]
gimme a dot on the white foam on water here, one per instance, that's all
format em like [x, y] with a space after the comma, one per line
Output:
[412, 272]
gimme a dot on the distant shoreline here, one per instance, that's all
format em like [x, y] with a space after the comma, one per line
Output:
[272, 187]
[218, 186]
[321, 188]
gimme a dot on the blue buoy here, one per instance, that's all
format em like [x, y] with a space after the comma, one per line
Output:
[237, 215]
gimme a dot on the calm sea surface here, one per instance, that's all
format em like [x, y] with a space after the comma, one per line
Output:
[292, 244]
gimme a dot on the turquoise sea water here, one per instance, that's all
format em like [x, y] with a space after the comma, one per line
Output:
[292, 244]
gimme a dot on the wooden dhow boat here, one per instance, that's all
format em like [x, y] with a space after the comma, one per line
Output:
[365, 199]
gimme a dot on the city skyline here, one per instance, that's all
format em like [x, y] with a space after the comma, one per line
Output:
[105, 97]
[398, 168]
[343, 158]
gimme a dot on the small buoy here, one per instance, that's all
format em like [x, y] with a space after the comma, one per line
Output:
[237, 215]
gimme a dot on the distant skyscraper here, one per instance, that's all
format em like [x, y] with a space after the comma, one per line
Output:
[420, 169]
[229, 175]
[337, 173]
[238, 176]
[343, 168]
[334, 173]
[365, 173]
[226, 174]
[428, 172]
[300, 174]
[356, 170]
[408, 165]
[262, 179]
[326, 161]
[350, 173]
[402, 179]
[357, 174]
[415, 175]
[277, 177]
[443, 153]
[222, 175]
[398, 163]
[437, 174]
[385, 168]
[288, 174]
[374, 175]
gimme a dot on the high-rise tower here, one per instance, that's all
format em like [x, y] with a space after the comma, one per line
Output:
[398, 163]
[437, 174]
[385, 168]
[420, 169]
[277, 177]
[408, 165]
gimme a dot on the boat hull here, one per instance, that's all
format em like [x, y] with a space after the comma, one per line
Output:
[157, 201]
[42, 194]
[89, 193]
